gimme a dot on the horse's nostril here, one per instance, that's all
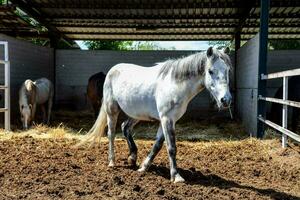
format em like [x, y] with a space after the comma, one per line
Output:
[223, 100]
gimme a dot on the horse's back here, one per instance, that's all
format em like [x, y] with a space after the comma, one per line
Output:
[44, 90]
[133, 88]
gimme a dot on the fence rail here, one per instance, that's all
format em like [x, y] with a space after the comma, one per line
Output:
[285, 103]
[6, 86]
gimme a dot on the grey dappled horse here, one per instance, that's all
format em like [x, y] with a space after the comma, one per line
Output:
[161, 93]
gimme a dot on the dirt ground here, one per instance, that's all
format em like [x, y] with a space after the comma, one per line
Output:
[43, 164]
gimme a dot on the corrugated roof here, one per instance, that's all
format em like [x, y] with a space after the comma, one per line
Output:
[165, 19]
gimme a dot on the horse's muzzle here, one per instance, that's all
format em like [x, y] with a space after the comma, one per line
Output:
[226, 101]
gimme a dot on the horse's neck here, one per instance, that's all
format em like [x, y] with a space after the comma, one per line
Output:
[192, 87]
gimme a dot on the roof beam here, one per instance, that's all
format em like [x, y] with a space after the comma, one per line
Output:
[244, 13]
[174, 33]
[116, 16]
[34, 13]
[112, 4]
[171, 25]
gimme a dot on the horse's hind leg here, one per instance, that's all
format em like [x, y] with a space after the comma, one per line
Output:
[50, 103]
[127, 127]
[154, 151]
[112, 117]
[43, 108]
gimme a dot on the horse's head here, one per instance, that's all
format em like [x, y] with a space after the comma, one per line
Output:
[26, 111]
[217, 76]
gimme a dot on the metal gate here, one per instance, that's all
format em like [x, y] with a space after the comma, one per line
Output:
[6, 86]
[285, 103]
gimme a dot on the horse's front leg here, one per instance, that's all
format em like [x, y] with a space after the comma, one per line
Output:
[168, 127]
[127, 127]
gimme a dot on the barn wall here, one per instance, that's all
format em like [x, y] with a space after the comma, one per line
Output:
[28, 61]
[246, 77]
[74, 67]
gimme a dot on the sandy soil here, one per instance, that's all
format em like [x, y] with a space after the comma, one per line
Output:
[34, 166]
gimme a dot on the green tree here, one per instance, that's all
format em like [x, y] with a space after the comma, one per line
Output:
[108, 45]
[219, 44]
[284, 44]
[124, 45]
[147, 45]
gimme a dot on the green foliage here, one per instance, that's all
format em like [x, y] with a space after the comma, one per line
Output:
[3, 2]
[284, 44]
[219, 44]
[108, 45]
[146, 45]
[124, 45]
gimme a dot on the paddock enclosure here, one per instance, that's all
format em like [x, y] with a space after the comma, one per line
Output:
[220, 157]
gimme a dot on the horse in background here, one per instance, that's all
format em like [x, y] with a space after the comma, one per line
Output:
[33, 93]
[95, 91]
[159, 93]
[275, 114]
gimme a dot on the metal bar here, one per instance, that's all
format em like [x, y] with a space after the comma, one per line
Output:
[7, 90]
[281, 129]
[3, 62]
[284, 110]
[262, 63]
[293, 72]
[3, 110]
[280, 101]
[3, 87]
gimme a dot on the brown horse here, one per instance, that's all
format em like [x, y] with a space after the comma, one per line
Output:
[95, 91]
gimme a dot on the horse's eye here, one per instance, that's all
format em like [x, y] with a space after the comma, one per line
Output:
[210, 72]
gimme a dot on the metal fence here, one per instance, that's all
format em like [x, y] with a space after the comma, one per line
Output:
[285, 103]
[6, 86]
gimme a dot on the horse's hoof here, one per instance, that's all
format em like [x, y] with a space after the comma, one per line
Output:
[111, 164]
[142, 169]
[132, 160]
[178, 179]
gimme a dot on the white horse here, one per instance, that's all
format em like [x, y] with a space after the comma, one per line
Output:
[31, 94]
[160, 93]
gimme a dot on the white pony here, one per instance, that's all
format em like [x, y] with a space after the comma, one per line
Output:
[160, 93]
[31, 94]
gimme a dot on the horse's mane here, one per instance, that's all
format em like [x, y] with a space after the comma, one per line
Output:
[28, 89]
[190, 66]
[29, 85]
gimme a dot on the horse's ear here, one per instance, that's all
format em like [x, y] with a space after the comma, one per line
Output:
[226, 50]
[210, 52]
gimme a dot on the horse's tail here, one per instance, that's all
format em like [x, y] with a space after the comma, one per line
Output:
[97, 131]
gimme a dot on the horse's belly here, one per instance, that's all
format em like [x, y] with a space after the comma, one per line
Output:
[43, 95]
[138, 107]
